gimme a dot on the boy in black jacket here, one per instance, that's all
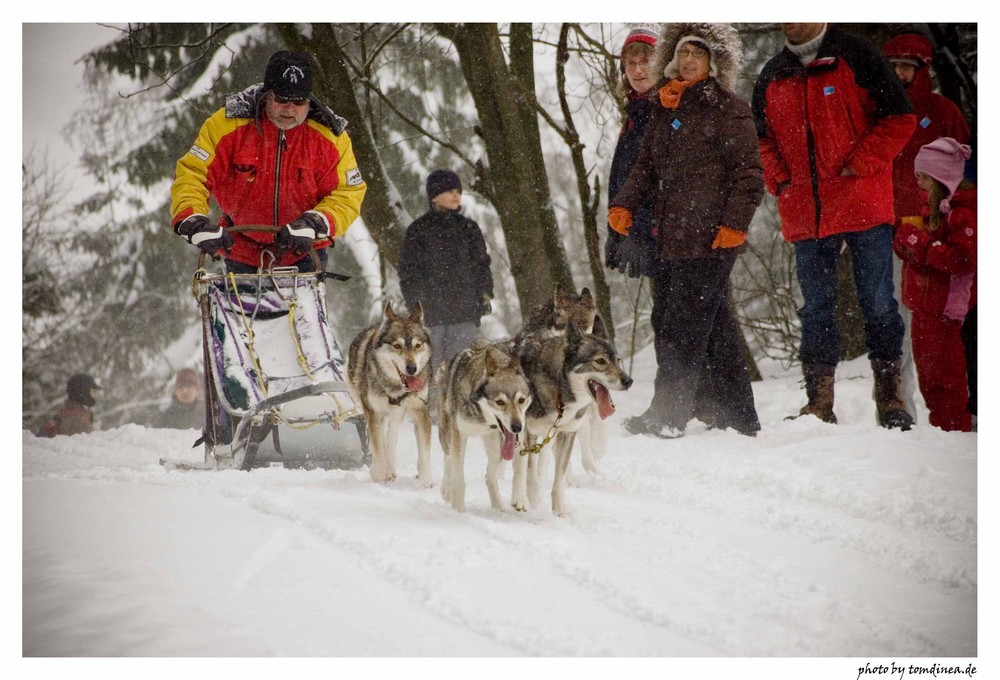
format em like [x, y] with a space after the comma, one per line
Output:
[445, 267]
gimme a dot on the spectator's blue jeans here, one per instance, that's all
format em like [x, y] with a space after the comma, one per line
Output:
[816, 268]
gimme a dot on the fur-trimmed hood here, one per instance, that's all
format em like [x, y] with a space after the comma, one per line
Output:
[723, 41]
[247, 103]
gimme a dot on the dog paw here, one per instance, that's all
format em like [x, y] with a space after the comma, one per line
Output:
[458, 504]
[383, 476]
[520, 504]
[426, 482]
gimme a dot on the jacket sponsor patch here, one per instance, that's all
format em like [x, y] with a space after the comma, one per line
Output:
[354, 177]
[199, 152]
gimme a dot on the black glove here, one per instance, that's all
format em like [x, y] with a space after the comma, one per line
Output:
[199, 231]
[636, 257]
[300, 234]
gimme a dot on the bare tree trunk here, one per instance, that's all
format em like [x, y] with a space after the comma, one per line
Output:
[386, 220]
[588, 201]
[515, 180]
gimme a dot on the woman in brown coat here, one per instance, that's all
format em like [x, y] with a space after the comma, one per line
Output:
[700, 156]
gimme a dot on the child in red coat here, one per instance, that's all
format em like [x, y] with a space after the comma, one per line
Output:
[939, 279]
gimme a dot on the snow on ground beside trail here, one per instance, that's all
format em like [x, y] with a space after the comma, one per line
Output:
[810, 540]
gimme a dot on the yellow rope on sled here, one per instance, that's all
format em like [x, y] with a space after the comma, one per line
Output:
[250, 336]
[300, 356]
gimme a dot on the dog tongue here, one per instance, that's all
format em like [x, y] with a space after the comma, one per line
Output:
[605, 407]
[412, 382]
[507, 447]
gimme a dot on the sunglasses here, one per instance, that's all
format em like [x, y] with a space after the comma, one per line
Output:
[286, 100]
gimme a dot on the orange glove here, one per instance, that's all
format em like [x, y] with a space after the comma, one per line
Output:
[620, 219]
[729, 238]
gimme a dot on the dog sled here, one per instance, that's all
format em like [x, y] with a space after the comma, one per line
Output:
[276, 391]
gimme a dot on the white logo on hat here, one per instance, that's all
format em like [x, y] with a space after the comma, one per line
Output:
[293, 73]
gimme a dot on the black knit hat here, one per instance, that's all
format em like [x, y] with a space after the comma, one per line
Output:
[289, 75]
[441, 181]
[78, 389]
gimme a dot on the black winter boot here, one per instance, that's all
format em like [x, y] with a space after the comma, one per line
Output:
[819, 391]
[892, 412]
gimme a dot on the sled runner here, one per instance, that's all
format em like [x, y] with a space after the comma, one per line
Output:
[276, 390]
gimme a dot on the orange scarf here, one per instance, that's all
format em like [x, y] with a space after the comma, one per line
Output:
[670, 94]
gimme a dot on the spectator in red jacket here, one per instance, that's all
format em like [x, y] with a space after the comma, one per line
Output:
[937, 116]
[939, 279]
[831, 116]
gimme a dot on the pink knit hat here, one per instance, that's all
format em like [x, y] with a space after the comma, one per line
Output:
[944, 160]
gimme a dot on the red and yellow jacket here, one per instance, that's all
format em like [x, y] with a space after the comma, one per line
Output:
[846, 110]
[259, 174]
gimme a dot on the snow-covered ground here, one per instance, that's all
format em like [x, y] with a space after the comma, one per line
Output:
[808, 541]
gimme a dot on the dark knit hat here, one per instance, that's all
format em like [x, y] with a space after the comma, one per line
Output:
[441, 181]
[289, 75]
[187, 377]
[78, 389]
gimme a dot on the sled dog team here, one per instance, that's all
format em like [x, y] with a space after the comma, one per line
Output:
[550, 384]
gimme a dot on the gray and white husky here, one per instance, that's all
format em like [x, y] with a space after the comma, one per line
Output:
[551, 319]
[483, 392]
[566, 374]
[390, 374]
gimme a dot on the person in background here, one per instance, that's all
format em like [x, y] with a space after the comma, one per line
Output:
[937, 116]
[187, 405]
[445, 267]
[831, 116]
[273, 155]
[939, 279]
[699, 157]
[634, 254]
[75, 416]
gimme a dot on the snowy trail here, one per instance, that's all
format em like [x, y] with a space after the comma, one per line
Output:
[712, 545]
[808, 540]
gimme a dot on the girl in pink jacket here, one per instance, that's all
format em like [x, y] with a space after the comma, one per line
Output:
[939, 279]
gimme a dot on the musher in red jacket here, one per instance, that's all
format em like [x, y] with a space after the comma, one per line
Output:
[274, 155]
[831, 116]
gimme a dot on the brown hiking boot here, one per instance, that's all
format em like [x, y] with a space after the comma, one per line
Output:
[892, 412]
[819, 391]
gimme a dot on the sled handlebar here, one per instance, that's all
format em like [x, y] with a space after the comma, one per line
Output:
[259, 228]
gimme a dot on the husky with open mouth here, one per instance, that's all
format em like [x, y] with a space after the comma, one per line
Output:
[390, 374]
[483, 393]
[566, 374]
[550, 319]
